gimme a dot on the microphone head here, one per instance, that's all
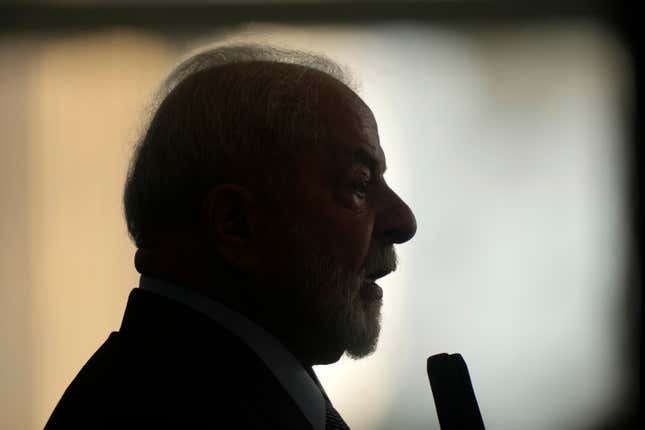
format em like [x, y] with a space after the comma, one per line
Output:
[453, 393]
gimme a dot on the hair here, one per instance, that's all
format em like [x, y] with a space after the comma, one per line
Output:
[240, 113]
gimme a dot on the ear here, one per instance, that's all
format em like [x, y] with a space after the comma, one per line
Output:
[229, 214]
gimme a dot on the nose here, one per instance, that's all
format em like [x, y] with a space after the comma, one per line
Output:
[395, 222]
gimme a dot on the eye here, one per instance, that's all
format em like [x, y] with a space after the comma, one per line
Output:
[361, 184]
[360, 188]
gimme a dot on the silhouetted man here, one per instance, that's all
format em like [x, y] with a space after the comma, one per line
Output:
[257, 202]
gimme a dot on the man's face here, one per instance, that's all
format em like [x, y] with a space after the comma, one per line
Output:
[339, 229]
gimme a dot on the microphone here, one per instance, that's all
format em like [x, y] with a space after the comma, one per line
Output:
[453, 393]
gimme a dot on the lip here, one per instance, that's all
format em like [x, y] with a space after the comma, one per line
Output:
[370, 291]
[377, 275]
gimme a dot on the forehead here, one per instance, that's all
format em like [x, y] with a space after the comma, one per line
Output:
[350, 130]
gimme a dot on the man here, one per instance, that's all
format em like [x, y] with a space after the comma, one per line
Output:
[257, 202]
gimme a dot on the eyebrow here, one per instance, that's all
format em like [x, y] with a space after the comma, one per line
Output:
[362, 156]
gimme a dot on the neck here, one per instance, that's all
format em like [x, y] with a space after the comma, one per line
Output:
[270, 306]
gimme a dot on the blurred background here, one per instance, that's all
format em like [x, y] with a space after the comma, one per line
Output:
[508, 129]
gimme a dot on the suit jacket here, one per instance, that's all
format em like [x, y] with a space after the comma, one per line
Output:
[170, 366]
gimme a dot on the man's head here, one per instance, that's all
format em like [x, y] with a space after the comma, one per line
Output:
[267, 168]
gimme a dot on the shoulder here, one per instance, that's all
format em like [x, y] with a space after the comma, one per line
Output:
[183, 370]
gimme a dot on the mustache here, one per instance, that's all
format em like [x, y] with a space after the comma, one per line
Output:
[381, 259]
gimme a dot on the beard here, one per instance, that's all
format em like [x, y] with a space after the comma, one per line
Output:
[331, 296]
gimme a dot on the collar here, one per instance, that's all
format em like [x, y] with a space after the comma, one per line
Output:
[290, 373]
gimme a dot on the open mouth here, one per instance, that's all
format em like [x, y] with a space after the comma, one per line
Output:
[370, 290]
[372, 277]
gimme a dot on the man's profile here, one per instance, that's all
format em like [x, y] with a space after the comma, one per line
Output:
[262, 220]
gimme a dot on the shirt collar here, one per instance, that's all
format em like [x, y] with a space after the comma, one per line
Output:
[285, 367]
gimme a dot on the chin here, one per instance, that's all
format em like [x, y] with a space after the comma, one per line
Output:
[355, 335]
[364, 329]
[363, 349]
[330, 357]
